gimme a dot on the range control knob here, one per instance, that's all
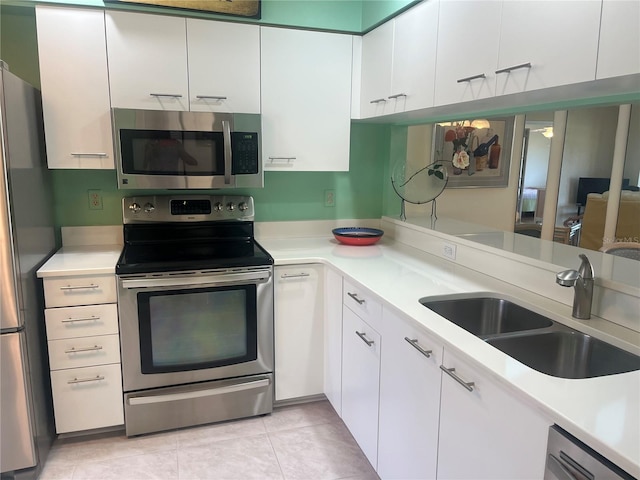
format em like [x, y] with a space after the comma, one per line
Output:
[231, 206]
[134, 207]
[148, 207]
[217, 207]
[242, 206]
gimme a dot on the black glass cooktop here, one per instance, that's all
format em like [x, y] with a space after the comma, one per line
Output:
[153, 248]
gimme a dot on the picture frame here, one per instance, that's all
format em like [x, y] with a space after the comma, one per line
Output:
[242, 8]
[478, 169]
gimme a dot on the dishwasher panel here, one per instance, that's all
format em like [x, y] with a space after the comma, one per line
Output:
[570, 459]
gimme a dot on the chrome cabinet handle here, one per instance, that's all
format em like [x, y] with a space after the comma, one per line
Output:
[355, 297]
[79, 287]
[170, 95]
[363, 336]
[473, 77]
[378, 100]
[210, 97]
[85, 319]
[95, 348]
[83, 380]
[515, 67]
[88, 154]
[414, 343]
[281, 158]
[452, 373]
[397, 95]
[296, 275]
[281, 161]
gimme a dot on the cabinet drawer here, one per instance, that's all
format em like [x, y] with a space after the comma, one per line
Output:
[84, 352]
[87, 398]
[73, 322]
[79, 290]
[362, 303]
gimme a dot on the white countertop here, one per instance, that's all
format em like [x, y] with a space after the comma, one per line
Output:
[82, 260]
[604, 412]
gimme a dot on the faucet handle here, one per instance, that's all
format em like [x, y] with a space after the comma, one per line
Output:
[567, 278]
[586, 269]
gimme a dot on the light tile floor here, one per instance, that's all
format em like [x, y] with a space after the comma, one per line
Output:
[305, 442]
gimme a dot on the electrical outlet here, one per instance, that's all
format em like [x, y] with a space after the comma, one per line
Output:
[449, 251]
[95, 199]
[329, 198]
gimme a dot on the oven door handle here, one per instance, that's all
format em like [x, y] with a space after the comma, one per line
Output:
[199, 281]
[172, 397]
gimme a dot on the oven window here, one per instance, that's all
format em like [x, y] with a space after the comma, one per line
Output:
[197, 328]
[160, 152]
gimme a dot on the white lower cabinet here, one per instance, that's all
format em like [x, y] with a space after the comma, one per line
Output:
[485, 432]
[361, 381]
[84, 352]
[333, 339]
[410, 379]
[87, 398]
[299, 331]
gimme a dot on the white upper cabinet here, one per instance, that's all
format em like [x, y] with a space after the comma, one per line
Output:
[224, 66]
[147, 61]
[619, 48]
[547, 44]
[467, 53]
[306, 106]
[170, 63]
[398, 62]
[377, 53]
[75, 87]
[414, 57]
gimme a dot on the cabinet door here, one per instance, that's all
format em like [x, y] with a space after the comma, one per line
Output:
[299, 347]
[414, 58]
[333, 339]
[619, 46]
[409, 401]
[377, 54]
[466, 61]
[75, 87]
[224, 66]
[87, 398]
[361, 382]
[538, 33]
[306, 92]
[147, 61]
[485, 432]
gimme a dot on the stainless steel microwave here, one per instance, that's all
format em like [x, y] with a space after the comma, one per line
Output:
[158, 149]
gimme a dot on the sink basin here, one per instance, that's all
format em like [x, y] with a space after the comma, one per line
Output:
[567, 354]
[533, 339]
[486, 316]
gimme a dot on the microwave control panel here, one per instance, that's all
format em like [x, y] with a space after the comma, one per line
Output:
[245, 156]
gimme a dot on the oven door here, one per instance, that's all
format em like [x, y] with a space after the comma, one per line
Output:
[181, 328]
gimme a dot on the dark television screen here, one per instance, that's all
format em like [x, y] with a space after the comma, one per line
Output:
[587, 185]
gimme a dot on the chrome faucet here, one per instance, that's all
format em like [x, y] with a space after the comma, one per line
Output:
[582, 281]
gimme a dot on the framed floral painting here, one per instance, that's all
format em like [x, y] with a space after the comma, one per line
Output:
[243, 8]
[475, 153]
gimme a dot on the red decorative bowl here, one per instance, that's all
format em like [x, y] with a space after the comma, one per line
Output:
[357, 235]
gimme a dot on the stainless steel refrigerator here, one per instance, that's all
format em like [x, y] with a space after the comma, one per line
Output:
[27, 239]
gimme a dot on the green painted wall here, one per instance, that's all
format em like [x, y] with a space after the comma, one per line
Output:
[285, 196]
[354, 16]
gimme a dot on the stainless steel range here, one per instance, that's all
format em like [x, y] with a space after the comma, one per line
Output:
[195, 298]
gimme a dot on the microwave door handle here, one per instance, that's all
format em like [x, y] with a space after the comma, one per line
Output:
[226, 135]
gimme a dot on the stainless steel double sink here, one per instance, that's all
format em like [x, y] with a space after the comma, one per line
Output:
[533, 339]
